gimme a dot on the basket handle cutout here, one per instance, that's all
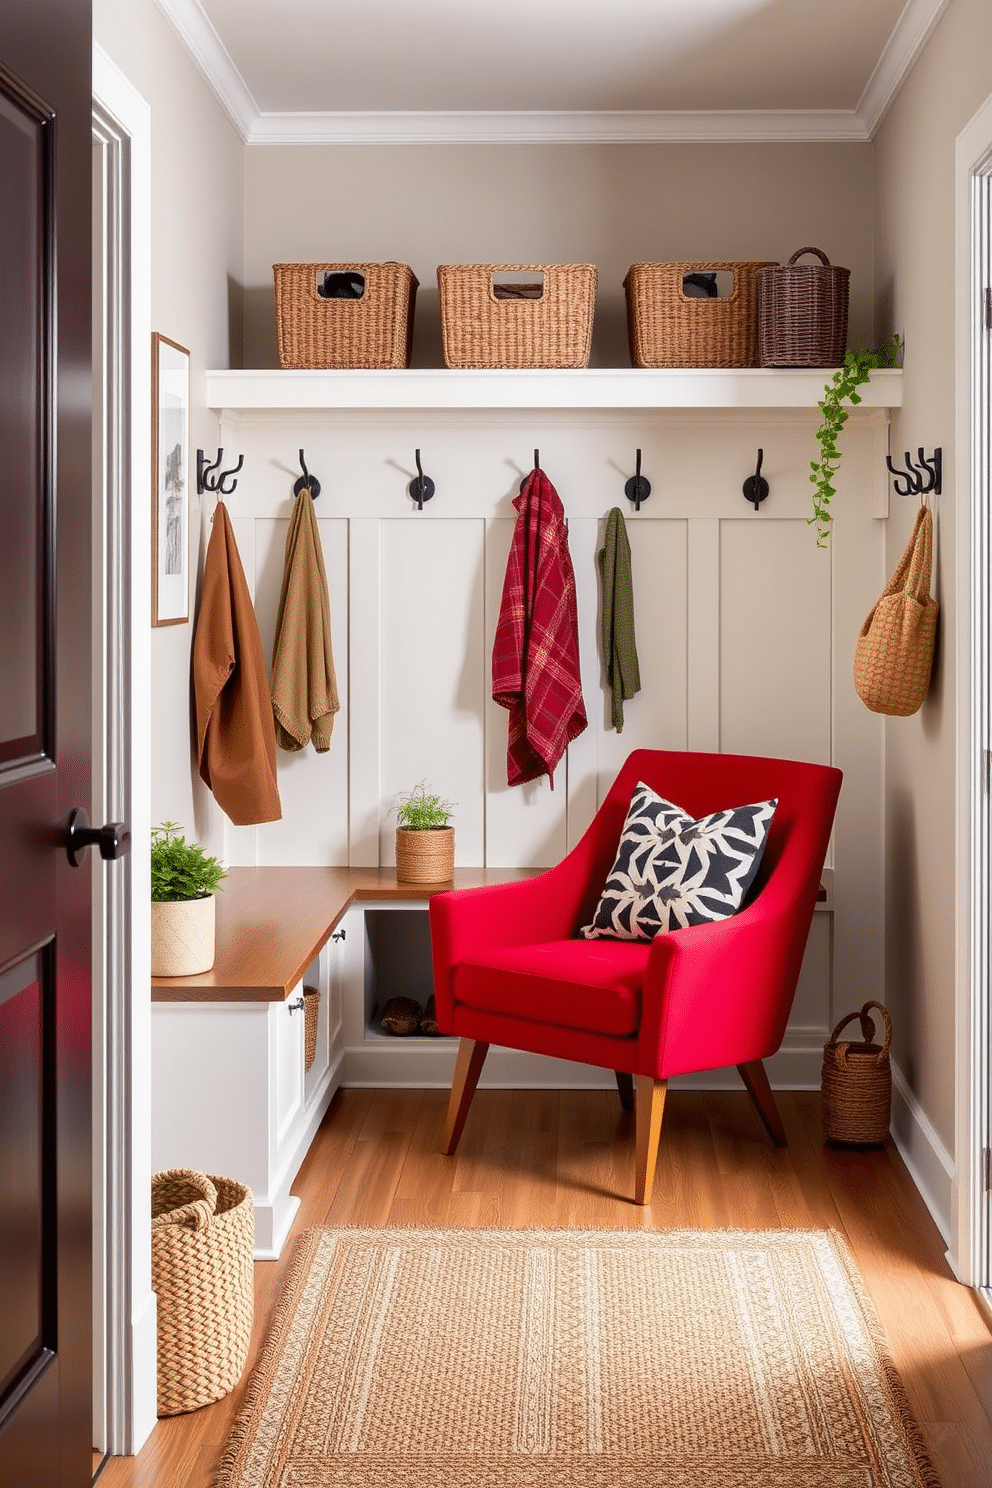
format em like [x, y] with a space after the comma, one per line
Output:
[341, 284]
[708, 284]
[518, 284]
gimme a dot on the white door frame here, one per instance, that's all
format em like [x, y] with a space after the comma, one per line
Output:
[124, 1328]
[972, 1256]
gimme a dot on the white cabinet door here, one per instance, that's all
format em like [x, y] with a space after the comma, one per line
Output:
[288, 1021]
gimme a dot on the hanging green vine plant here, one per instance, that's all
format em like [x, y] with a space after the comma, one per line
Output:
[842, 388]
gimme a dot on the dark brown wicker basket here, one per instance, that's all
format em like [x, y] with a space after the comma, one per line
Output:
[668, 328]
[857, 1083]
[803, 313]
[552, 328]
[373, 331]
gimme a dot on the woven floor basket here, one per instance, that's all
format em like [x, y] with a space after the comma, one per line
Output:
[479, 329]
[374, 331]
[203, 1229]
[668, 328]
[311, 1018]
[803, 313]
[857, 1083]
[425, 856]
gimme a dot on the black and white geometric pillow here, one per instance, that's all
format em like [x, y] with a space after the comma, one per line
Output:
[672, 872]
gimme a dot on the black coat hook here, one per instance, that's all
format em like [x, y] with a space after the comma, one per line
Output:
[421, 488]
[216, 485]
[638, 488]
[537, 466]
[306, 481]
[755, 488]
[922, 479]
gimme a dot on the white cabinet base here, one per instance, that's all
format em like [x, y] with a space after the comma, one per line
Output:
[230, 1096]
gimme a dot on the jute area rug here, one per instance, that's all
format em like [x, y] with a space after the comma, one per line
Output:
[429, 1358]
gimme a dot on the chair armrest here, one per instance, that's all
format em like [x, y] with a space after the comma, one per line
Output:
[721, 994]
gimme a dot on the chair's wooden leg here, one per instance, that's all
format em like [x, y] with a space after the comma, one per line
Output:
[625, 1085]
[760, 1091]
[468, 1067]
[650, 1108]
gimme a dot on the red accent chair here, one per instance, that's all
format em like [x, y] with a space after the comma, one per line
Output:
[511, 969]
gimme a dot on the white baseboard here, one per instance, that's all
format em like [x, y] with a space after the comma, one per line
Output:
[380, 1062]
[930, 1165]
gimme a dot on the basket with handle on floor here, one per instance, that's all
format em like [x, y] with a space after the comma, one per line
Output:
[857, 1082]
[203, 1230]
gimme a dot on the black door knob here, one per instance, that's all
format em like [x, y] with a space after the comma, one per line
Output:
[113, 839]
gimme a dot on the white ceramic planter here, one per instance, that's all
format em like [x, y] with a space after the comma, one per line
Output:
[183, 936]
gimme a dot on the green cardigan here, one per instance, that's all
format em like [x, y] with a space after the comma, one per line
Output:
[617, 616]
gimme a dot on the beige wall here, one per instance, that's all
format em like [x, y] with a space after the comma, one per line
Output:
[914, 237]
[611, 205]
[197, 249]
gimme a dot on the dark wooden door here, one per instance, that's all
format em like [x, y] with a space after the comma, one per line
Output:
[45, 743]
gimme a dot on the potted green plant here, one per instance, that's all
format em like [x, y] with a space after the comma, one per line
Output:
[184, 882]
[425, 842]
[842, 389]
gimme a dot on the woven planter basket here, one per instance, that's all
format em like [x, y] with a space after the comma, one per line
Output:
[425, 856]
[311, 1018]
[857, 1083]
[803, 313]
[480, 328]
[183, 933]
[203, 1229]
[374, 331]
[668, 328]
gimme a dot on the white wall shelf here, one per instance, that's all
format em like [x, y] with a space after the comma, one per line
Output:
[588, 387]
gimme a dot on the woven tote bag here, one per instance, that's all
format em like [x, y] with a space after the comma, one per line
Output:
[894, 653]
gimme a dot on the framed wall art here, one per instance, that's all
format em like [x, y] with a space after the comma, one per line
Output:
[170, 482]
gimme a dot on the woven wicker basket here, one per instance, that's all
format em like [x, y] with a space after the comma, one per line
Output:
[803, 313]
[203, 1229]
[668, 328]
[425, 856]
[311, 1018]
[374, 331]
[479, 328]
[857, 1083]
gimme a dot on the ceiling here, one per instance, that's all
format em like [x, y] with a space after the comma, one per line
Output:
[555, 69]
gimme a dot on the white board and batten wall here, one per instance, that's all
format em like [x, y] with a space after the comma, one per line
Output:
[745, 634]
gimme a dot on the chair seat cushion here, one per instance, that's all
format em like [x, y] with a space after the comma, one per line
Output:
[672, 872]
[590, 985]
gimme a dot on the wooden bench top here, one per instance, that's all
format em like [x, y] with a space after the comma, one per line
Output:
[271, 923]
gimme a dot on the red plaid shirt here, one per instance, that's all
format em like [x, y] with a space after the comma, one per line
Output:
[536, 647]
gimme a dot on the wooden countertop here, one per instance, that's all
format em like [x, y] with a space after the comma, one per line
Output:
[271, 922]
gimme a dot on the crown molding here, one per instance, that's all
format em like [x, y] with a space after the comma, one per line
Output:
[189, 21]
[547, 128]
[911, 34]
[745, 126]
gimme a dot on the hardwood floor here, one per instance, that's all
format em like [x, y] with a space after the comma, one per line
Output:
[550, 1158]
